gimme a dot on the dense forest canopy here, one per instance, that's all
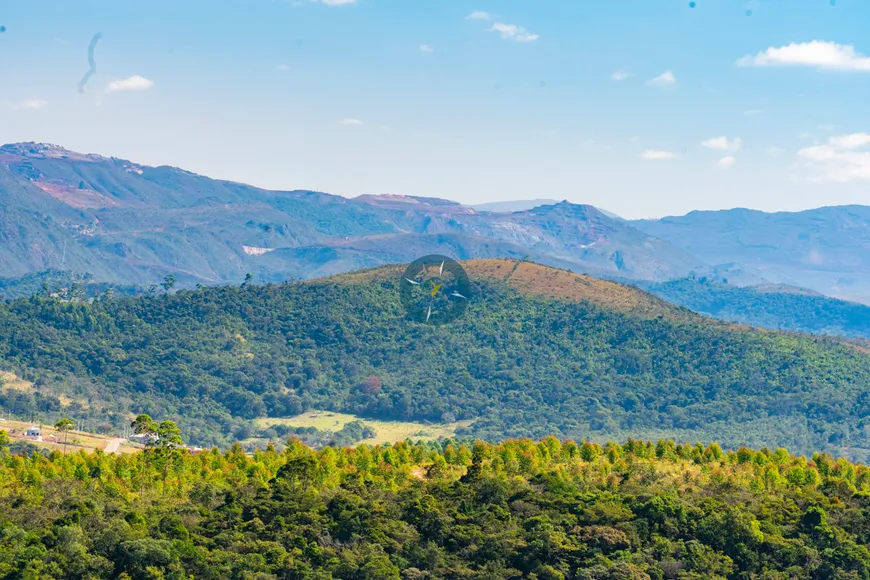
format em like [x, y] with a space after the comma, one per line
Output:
[547, 510]
[610, 362]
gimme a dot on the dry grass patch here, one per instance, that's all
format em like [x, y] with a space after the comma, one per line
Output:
[387, 431]
[10, 380]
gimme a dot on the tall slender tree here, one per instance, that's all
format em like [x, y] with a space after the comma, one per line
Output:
[168, 446]
[64, 426]
[143, 424]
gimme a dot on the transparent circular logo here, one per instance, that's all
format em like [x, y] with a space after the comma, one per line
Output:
[434, 290]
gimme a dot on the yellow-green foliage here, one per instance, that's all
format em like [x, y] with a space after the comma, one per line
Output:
[519, 509]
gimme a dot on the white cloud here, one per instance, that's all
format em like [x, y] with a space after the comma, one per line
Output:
[653, 155]
[851, 141]
[774, 151]
[479, 15]
[621, 75]
[335, 2]
[842, 158]
[384, 128]
[723, 144]
[666, 79]
[134, 83]
[282, 67]
[726, 162]
[356, 122]
[513, 32]
[426, 49]
[30, 104]
[817, 54]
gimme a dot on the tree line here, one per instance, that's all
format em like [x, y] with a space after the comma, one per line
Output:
[520, 509]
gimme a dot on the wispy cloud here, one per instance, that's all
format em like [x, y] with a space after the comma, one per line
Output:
[479, 15]
[850, 141]
[666, 79]
[282, 67]
[752, 112]
[723, 143]
[426, 49]
[653, 155]
[841, 159]
[726, 162]
[134, 83]
[30, 104]
[350, 121]
[334, 2]
[621, 75]
[513, 32]
[384, 128]
[817, 54]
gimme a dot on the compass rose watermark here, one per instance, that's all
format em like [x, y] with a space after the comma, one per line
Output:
[435, 290]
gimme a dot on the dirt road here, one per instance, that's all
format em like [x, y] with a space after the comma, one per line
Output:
[112, 445]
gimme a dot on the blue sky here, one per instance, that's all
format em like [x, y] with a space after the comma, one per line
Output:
[526, 99]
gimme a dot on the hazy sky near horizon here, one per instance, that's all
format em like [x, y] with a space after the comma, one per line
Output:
[645, 108]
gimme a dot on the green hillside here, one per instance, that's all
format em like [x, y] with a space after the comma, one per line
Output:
[768, 306]
[519, 510]
[63, 283]
[539, 352]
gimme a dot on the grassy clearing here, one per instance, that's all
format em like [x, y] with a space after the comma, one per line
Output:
[387, 431]
[10, 380]
[77, 440]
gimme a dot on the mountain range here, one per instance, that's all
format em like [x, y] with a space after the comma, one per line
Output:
[127, 223]
[123, 223]
[825, 249]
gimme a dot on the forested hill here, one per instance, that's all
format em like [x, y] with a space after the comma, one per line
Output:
[539, 352]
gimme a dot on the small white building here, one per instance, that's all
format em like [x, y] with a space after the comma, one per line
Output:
[33, 432]
[144, 438]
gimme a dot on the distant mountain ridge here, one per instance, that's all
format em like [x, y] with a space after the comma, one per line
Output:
[128, 223]
[525, 204]
[825, 249]
[511, 206]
